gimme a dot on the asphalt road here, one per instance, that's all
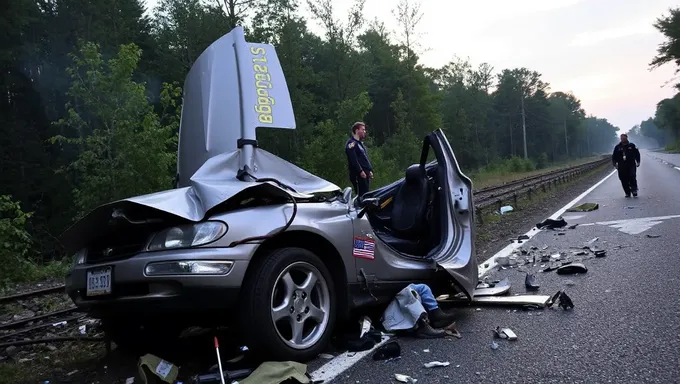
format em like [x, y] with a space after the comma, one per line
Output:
[625, 326]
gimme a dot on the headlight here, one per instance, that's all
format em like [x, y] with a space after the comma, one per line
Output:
[79, 257]
[184, 236]
[188, 267]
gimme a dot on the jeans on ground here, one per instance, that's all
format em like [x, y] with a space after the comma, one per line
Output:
[426, 296]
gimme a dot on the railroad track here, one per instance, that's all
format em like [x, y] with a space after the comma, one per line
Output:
[42, 316]
[497, 195]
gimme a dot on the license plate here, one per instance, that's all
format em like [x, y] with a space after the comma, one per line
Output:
[99, 281]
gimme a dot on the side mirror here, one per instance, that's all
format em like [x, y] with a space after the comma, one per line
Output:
[372, 204]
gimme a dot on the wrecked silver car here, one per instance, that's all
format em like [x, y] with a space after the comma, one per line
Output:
[251, 240]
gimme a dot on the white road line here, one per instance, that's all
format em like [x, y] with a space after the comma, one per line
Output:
[344, 361]
[341, 363]
[487, 265]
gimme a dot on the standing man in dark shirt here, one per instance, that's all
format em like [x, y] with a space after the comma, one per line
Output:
[360, 169]
[626, 159]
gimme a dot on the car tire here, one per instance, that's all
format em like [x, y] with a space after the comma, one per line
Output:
[265, 289]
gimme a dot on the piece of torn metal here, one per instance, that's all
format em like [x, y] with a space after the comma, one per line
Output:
[538, 300]
[571, 268]
[499, 288]
[585, 207]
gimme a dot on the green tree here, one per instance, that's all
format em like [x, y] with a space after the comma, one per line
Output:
[129, 152]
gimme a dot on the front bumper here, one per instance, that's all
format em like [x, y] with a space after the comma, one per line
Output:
[132, 291]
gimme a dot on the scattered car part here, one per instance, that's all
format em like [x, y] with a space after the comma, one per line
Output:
[539, 300]
[653, 236]
[530, 282]
[499, 288]
[404, 378]
[571, 268]
[505, 333]
[565, 301]
[388, 351]
[600, 253]
[552, 223]
[433, 364]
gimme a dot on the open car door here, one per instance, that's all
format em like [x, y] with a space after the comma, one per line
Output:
[425, 220]
[457, 253]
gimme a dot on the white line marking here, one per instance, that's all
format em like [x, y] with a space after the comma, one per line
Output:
[633, 226]
[341, 363]
[487, 265]
[344, 361]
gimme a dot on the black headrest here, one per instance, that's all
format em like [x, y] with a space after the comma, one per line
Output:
[414, 173]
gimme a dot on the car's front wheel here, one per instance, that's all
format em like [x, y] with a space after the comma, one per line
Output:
[288, 305]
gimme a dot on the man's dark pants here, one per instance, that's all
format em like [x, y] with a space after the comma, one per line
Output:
[360, 184]
[628, 177]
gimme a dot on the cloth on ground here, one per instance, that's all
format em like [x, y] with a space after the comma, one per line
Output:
[276, 372]
[407, 307]
[152, 369]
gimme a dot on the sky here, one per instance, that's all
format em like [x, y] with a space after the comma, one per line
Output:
[597, 49]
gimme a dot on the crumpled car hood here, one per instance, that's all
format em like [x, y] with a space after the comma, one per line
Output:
[213, 184]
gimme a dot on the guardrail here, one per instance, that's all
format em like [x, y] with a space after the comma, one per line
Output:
[512, 191]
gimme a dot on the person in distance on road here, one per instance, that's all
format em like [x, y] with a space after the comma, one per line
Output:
[626, 159]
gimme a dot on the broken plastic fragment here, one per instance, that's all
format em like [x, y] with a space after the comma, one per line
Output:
[552, 223]
[600, 253]
[387, 351]
[653, 236]
[565, 301]
[505, 333]
[434, 364]
[571, 268]
[494, 345]
[404, 378]
[530, 282]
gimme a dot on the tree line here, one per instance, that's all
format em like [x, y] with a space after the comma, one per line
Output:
[92, 97]
[664, 127]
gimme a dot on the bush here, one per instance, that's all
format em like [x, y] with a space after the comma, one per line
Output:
[17, 258]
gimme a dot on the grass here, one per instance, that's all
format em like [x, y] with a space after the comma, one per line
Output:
[487, 178]
[33, 272]
[46, 364]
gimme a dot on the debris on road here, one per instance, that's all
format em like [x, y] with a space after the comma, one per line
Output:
[434, 364]
[552, 223]
[520, 300]
[571, 268]
[494, 345]
[585, 207]
[653, 236]
[506, 209]
[496, 289]
[388, 351]
[505, 333]
[151, 366]
[564, 300]
[404, 378]
[277, 372]
[530, 282]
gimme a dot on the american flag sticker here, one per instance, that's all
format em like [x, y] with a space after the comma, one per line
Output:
[363, 248]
